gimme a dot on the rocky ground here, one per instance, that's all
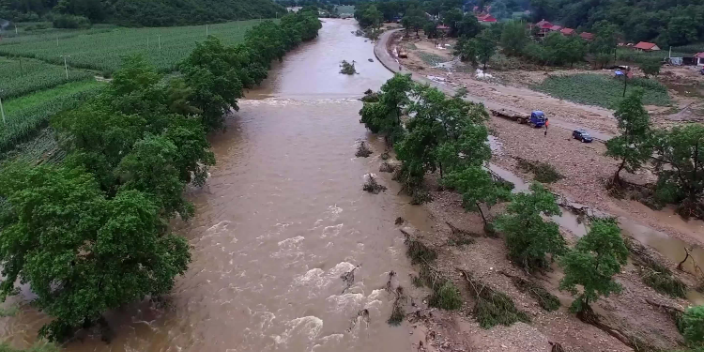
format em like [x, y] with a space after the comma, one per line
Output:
[585, 169]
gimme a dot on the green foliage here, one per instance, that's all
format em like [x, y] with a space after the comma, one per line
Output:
[692, 326]
[23, 76]
[493, 307]
[82, 253]
[546, 300]
[514, 38]
[369, 16]
[27, 115]
[683, 182]
[446, 297]
[633, 146]
[420, 253]
[543, 172]
[662, 280]
[414, 20]
[347, 68]
[593, 262]
[650, 67]
[484, 48]
[528, 237]
[477, 187]
[71, 22]
[384, 116]
[600, 90]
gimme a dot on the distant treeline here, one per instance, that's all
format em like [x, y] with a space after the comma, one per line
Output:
[666, 22]
[74, 13]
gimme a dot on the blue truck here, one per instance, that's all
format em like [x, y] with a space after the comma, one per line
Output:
[536, 119]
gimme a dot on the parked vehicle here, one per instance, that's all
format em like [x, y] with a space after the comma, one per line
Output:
[536, 118]
[582, 136]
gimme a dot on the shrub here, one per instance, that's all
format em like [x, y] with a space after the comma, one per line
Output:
[543, 172]
[692, 326]
[71, 22]
[447, 297]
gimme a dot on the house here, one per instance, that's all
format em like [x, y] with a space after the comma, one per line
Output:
[699, 57]
[543, 27]
[443, 28]
[555, 28]
[567, 31]
[486, 18]
[587, 36]
[645, 46]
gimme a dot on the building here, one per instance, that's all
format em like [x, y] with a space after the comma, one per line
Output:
[544, 28]
[699, 58]
[567, 32]
[486, 18]
[555, 28]
[645, 46]
[587, 36]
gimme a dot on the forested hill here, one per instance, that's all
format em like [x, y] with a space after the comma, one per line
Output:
[141, 12]
[667, 22]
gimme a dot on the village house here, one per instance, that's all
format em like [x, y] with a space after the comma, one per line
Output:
[544, 28]
[587, 36]
[487, 18]
[645, 46]
[567, 32]
[699, 58]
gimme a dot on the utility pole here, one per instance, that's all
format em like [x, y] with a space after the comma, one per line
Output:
[159, 36]
[207, 30]
[1, 109]
[65, 65]
[15, 28]
[625, 83]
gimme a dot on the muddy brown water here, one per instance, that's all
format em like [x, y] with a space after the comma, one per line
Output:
[282, 217]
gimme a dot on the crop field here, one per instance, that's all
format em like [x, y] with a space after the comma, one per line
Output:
[103, 49]
[23, 76]
[26, 115]
[602, 90]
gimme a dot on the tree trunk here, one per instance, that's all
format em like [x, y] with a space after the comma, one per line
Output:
[617, 175]
[482, 214]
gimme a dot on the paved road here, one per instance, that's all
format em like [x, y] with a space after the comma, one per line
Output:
[391, 63]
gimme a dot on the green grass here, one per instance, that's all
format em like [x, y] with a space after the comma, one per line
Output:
[431, 59]
[601, 90]
[103, 49]
[27, 115]
[23, 76]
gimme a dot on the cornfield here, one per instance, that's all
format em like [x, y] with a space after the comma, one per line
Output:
[601, 90]
[23, 76]
[27, 115]
[104, 49]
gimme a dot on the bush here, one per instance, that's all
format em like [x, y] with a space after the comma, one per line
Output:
[692, 326]
[543, 172]
[447, 297]
[71, 22]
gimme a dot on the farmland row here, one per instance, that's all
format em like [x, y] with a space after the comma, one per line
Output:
[25, 116]
[21, 76]
[103, 50]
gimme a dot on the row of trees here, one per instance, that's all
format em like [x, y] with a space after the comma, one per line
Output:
[678, 155]
[665, 22]
[138, 12]
[91, 235]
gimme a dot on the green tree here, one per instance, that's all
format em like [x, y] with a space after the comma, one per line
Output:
[514, 38]
[478, 187]
[596, 258]
[680, 30]
[528, 237]
[372, 17]
[469, 26]
[633, 146]
[414, 20]
[485, 49]
[650, 67]
[467, 50]
[683, 182]
[605, 38]
[82, 254]
[692, 326]
[431, 29]
[452, 19]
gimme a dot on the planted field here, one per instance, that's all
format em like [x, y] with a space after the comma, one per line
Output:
[26, 116]
[22, 76]
[601, 90]
[103, 49]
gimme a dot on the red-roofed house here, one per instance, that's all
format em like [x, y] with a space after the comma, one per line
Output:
[543, 27]
[567, 31]
[555, 28]
[699, 58]
[486, 18]
[587, 36]
[645, 46]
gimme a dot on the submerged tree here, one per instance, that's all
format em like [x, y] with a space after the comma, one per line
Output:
[634, 145]
[596, 258]
[528, 237]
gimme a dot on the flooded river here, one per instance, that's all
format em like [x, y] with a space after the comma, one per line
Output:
[282, 217]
